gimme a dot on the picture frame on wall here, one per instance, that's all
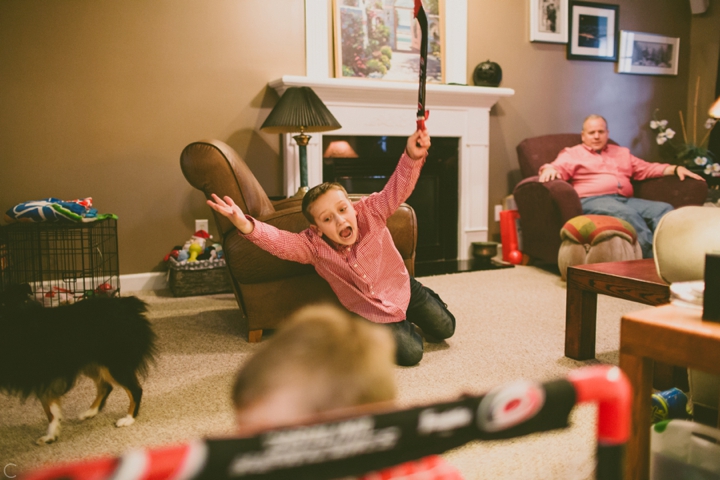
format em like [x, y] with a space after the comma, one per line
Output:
[381, 40]
[549, 21]
[648, 54]
[594, 31]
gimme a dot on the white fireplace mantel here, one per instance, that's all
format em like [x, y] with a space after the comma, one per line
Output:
[372, 108]
[376, 107]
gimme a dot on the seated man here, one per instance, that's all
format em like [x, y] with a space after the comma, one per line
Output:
[601, 174]
[323, 361]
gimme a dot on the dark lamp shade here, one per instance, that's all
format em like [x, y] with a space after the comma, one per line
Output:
[300, 109]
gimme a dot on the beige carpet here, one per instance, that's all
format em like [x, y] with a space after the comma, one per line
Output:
[511, 325]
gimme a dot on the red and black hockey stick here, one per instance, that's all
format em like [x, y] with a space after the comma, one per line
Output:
[353, 446]
[422, 114]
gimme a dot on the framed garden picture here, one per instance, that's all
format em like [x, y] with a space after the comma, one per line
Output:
[648, 54]
[594, 32]
[381, 40]
[549, 21]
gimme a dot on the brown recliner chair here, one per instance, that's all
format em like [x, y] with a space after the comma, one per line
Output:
[267, 288]
[545, 207]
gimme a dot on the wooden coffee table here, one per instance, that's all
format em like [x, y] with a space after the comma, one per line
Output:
[635, 280]
[670, 334]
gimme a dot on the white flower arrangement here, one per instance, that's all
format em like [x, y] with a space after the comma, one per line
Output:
[712, 170]
[690, 154]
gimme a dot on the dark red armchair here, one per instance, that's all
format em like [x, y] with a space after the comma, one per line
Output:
[545, 207]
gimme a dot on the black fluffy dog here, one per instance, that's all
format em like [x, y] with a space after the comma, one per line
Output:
[44, 350]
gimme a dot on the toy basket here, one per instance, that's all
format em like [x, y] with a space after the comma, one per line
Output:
[201, 277]
[62, 262]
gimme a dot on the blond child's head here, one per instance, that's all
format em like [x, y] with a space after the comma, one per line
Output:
[322, 359]
[331, 213]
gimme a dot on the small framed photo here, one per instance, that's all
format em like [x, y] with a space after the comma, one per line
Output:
[549, 21]
[594, 32]
[648, 54]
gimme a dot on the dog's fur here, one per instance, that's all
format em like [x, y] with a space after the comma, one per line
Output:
[44, 350]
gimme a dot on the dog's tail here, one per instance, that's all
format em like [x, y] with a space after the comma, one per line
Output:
[128, 323]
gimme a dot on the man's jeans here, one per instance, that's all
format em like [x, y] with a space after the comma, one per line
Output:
[642, 214]
[427, 311]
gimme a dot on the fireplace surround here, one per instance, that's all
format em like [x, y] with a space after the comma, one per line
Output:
[366, 107]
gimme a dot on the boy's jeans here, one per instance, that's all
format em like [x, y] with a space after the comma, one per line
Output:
[427, 311]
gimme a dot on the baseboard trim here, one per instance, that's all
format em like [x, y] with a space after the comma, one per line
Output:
[136, 282]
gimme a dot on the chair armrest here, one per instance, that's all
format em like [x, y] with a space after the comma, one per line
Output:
[212, 166]
[287, 203]
[560, 192]
[670, 189]
[403, 228]
[544, 208]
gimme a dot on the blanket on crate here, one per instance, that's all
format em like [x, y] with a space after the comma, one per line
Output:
[55, 210]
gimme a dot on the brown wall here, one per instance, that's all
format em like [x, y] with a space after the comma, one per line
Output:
[553, 94]
[98, 98]
[705, 48]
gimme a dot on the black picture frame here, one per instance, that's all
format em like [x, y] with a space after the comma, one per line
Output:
[594, 31]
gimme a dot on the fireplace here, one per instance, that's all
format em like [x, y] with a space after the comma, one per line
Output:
[363, 164]
[387, 109]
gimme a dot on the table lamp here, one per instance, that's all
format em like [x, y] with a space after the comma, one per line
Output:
[300, 110]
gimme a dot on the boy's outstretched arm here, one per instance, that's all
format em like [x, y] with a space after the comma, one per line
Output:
[282, 243]
[229, 209]
[418, 144]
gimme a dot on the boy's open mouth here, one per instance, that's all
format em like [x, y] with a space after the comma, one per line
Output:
[346, 232]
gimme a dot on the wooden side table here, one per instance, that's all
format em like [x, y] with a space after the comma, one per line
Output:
[669, 334]
[635, 280]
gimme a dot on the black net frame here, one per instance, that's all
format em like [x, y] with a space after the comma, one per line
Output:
[62, 262]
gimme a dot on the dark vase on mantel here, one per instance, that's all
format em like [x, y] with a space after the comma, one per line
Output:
[487, 74]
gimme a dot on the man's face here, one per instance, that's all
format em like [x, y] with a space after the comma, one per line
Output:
[595, 133]
[335, 217]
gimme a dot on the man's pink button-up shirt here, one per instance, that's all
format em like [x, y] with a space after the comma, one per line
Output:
[604, 173]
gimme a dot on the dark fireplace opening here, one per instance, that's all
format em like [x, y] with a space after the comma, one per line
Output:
[363, 164]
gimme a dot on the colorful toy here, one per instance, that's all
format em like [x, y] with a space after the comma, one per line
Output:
[200, 237]
[56, 296]
[103, 289]
[173, 253]
[195, 249]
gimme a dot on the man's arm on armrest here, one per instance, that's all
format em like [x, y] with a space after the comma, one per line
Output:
[559, 169]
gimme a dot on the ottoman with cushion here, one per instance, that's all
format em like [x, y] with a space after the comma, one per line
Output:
[596, 239]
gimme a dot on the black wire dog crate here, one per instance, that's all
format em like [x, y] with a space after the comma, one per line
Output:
[62, 262]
